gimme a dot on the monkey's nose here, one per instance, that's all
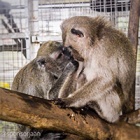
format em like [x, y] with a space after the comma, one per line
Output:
[66, 51]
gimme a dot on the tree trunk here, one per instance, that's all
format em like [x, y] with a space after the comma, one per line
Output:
[43, 114]
[134, 22]
[133, 37]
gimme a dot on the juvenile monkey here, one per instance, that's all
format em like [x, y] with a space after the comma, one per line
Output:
[38, 77]
[108, 66]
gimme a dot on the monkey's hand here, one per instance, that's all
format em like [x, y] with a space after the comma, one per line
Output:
[60, 103]
[63, 104]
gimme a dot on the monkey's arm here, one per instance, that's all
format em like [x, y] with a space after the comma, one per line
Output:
[102, 94]
[68, 87]
[91, 92]
[100, 88]
[70, 84]
[65, 78]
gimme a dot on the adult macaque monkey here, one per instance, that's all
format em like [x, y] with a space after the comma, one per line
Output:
[108, 66]
[38, 77]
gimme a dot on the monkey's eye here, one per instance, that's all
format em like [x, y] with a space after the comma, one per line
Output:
[77, 32]
[41, 62]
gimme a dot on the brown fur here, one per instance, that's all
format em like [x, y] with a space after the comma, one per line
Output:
[108, 65]
[38, 77]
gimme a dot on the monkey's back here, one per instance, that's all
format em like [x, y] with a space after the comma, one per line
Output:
[121, 50]
[32, 81]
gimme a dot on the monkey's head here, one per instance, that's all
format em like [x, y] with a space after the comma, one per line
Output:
[81, 33]
[50, 58]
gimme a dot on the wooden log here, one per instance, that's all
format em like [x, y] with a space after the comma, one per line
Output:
[43, 114]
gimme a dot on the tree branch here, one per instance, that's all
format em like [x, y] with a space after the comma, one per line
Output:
[43, 114]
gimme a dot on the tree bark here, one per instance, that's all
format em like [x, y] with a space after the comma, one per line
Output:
[133, 37]
[133, 117]
[134, 22]
[43, 114]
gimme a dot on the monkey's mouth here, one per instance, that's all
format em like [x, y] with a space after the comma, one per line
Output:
[76, 55]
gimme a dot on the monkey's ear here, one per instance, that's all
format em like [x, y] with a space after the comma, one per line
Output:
[77, 32]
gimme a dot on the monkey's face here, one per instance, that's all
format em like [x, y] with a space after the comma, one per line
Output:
[76, 34]
[51, 59]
